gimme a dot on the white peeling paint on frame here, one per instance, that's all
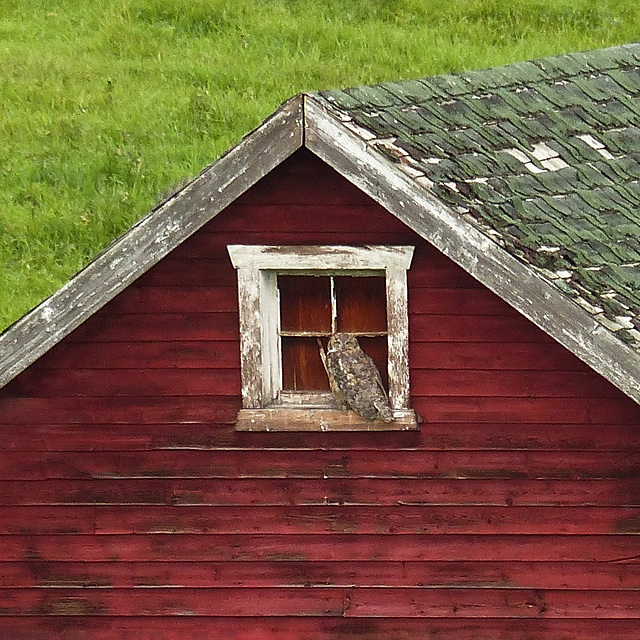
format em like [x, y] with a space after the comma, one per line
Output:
[398, 328]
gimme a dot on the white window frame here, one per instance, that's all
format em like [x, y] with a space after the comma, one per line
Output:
[258, 267]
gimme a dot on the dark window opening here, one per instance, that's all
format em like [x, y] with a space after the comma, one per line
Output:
[314, 307]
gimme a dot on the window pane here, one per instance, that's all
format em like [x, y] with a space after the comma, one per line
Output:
[376, 348]
[305, 303]
[302, 368]
[361, 303]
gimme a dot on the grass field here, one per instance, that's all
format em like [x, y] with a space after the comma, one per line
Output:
[108, 105]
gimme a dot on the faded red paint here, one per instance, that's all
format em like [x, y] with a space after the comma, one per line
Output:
[513, 513]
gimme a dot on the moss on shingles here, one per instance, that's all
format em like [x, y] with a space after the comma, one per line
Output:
[546, 153]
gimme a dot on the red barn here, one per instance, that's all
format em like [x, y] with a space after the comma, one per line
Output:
[173, 465]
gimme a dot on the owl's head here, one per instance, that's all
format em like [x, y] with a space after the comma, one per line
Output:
[342, 341]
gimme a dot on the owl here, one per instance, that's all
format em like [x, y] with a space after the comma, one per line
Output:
[355, 382]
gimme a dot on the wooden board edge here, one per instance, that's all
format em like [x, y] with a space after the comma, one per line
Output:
[151, 238]
[280, 419]
[517, 283]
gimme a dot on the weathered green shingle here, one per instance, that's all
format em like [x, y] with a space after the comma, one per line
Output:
[545, 153]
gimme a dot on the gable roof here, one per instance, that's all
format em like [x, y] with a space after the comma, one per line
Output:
[526, 175]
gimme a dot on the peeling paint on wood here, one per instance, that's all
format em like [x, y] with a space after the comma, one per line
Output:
[289, 419]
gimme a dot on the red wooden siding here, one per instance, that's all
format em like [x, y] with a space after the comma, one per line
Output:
[129, 508]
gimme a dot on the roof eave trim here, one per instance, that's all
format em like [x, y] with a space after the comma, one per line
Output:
[152, 238]
[518, 284]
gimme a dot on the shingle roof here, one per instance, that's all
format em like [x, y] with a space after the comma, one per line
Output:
[542, 156]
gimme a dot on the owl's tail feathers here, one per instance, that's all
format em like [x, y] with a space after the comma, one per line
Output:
[384, 411]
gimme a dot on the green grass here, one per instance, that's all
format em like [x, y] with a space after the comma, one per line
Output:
[106, 106]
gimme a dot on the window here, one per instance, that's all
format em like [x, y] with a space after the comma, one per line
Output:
[291, 298]
[314, 307]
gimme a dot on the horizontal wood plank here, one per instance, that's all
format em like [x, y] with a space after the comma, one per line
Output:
[424, 519]
[523, 436]
[325, 491]
[496, 328]
[431, 437]
[584, 576]
[180, 354]
[318, 419]
[325, 601]
[174, 602]
[186, 299]
[618, 549]
[205, 271]
[291, 187]
[330, 520]
[431, 269]
[307, 217]
[483, 356]
[286, 628]
[459, 301]
[532, 410]
[138, 383]
[137, 410]
[550, 465]
[511, 384]
[160, 327]
[490, 603]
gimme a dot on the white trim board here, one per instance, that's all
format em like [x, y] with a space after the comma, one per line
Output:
[258, 267]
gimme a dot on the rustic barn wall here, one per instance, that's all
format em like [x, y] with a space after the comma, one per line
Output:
[131, 509]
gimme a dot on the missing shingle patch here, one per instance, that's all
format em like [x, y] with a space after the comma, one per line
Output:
[597, 145]
[532, 167]
[518, 155]
[542, 151]
[478, 180]
[554, 164]
[548, 158]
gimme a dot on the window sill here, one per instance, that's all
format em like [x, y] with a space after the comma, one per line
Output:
[318, 419]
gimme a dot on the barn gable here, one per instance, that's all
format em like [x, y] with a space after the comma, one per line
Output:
[510, 187]
[129, 498]
[133, 508]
